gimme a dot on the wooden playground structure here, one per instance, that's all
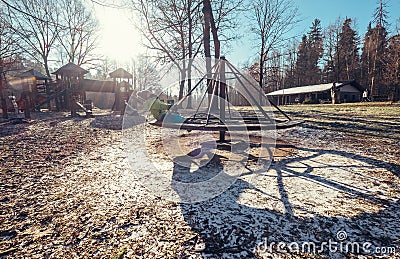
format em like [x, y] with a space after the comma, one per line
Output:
[66, 93]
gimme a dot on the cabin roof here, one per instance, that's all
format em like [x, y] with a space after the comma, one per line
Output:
[313, 88]
[120, 73]
[35, 73]
[70, 69]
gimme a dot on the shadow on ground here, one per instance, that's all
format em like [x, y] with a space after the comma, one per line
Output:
[316, 196]
[15, 126]
[373, 126]
[107, 121]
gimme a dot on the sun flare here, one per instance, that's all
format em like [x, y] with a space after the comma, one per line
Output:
[119, 40]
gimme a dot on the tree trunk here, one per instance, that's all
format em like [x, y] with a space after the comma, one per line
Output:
[261, 74]
[182, 83]
[2, 98]
[207, 46]
[190, 53]
[210, 23]
[217, 50]
[183, 69]
[189, 84]
[46, 66]
[217, 44]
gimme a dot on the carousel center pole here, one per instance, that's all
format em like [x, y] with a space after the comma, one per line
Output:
[222, 95]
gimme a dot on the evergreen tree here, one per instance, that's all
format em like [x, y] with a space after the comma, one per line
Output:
[392, 74]
[316, 51]
[381, 15]
[331, 42]
[366, 59]
[302, 62]
[309, 54]
[374, 54]
[346, 59]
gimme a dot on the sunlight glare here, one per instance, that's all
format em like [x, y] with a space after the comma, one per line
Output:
[119, 40]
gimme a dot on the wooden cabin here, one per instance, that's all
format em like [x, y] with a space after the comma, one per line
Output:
[346, 92]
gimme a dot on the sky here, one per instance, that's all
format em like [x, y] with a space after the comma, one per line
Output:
[120, 40]
[328, 11]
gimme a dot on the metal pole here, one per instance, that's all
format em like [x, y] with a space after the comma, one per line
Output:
[222, 95]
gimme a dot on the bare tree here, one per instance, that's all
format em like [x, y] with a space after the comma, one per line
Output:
[145, 73]
[289, 79]
[208, 20]
[274, 69]
[271, 20]
[8, 41]
[8, 50]
[104, 67]
[173, 30]
[331, 46]
[224, 22]
[165, 26]
[78, 38]
[36, 23]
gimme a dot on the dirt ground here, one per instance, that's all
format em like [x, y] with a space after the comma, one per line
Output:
[68, 190]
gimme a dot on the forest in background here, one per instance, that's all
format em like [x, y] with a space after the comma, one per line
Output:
[45, 34]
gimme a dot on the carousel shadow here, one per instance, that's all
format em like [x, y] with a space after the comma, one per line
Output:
[246, 220]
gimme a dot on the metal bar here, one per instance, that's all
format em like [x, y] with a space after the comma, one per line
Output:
[276, 107]
[214, 80]
[248, 92]
[198, 107]
[212, 100]
[259, 91]
[222, 95]
[194, 88]
[228, 101]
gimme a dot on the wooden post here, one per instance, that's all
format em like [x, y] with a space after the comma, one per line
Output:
[2, 97]
[68, 86]
[335, 94]
[27, 104]
[73, 105]
[117, 91]
[57, 88]
[81, 89]
[3, 101]
[47, 90]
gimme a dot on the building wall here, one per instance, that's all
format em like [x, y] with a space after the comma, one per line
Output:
[350, 97]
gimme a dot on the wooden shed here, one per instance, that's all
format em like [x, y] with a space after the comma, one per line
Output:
[349, 91]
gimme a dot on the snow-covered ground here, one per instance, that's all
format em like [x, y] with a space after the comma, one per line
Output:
[69, 189]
